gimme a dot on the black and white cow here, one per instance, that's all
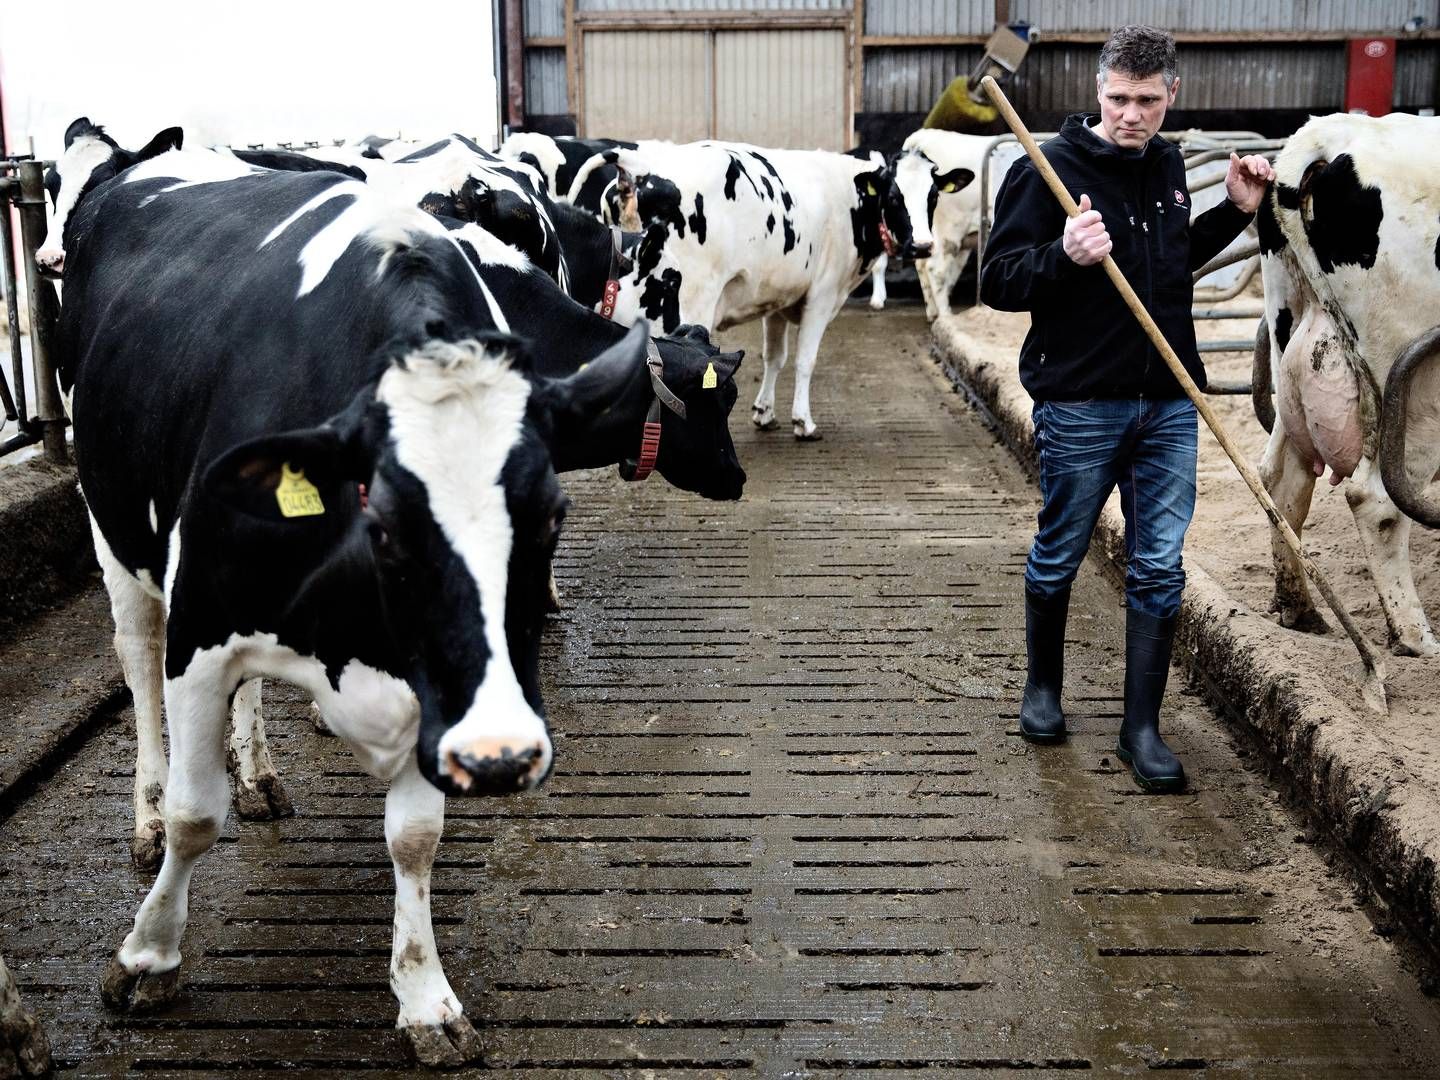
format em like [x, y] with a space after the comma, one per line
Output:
[90, 158]
[560, 159]
[452, 177]
[1350, 257]
[324, 466]
[734, 233]
[937, 169]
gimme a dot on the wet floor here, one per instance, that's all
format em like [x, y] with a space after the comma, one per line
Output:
[792, 830]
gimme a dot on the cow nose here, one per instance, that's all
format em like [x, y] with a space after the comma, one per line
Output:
[50, 260]
[495, 766]
[921, 251]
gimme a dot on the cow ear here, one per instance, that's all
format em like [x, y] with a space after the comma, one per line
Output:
[81, 125]
[727, 364]
[293, 475]
[950, 182]
[592, 389]
[169, 139]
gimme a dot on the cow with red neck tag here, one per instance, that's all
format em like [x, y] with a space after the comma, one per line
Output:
[734, 232]
[1350, 257]
[354, 345]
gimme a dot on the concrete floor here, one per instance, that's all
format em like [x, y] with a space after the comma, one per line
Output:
[792, 830]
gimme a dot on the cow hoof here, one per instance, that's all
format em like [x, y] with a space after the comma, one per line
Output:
[1308, 621]
[147, 846]
[764, 419]
[804, 435]
[139, 993]
[24, 1050]
[451, 1046]
[1424, 647]
[877, 305]
[321, 728]
[266, 801]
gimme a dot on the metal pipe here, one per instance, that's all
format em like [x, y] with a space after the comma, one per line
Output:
[1222, 313]
[44, 312]
[1244, 345]
[1215, 295]
[1374, 689]
[1227, 258]
[1228, 387]
[12, 309]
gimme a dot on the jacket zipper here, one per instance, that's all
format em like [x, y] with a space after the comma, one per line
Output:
[1149, 274]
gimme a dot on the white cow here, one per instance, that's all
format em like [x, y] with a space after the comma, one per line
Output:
[940, 159]
[735, 232]
[1350, 256]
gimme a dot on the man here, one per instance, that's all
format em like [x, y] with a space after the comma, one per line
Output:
[1107, 410]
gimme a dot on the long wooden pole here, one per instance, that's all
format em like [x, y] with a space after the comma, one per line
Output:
[1374, 665]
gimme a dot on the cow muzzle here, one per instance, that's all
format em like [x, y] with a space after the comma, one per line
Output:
[493, 765]
[51, 261]
[919, 251]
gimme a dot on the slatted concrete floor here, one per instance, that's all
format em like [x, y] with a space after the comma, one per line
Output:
[791, 829]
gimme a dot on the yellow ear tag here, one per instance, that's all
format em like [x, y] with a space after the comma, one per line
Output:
[948, 188]
[709, 381]
[869, 188]
[296, 495]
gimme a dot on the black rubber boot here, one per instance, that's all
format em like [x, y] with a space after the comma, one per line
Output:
[1041, 719]
[1147, 667]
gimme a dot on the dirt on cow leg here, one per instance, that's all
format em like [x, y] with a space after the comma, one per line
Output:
[24, 1050]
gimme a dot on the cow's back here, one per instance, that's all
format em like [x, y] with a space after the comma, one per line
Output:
[196, 318]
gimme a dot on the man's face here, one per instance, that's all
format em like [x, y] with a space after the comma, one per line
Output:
[1132, 110]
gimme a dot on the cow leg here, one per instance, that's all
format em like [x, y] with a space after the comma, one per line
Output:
[946, 274]
[259, 795]
[1291, 483]
[430, 1014]
[807, 351]
[877, 283]
[924, 268]
[24, 1050]
[772, 354]
[144, 974]
[139, 642]
[1385, 534]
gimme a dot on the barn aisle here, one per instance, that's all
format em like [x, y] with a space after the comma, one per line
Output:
[792, 829]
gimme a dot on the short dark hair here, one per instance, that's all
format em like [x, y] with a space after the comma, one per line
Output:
[1139, 52]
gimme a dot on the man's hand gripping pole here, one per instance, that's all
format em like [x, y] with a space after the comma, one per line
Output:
[1374, 689]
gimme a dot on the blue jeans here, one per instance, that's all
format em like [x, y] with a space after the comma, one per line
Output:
[1086, 448]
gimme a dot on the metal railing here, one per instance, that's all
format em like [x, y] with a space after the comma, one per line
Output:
[22, 186]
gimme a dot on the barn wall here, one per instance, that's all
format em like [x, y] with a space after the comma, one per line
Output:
[1260, 16]
[928, 18]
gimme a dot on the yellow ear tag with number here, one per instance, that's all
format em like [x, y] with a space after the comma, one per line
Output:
[709, 381]
[296, 495]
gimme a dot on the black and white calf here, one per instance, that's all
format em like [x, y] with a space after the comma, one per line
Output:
[735, 233]
[226, 426]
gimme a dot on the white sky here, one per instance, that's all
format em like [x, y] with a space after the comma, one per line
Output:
[259, 71]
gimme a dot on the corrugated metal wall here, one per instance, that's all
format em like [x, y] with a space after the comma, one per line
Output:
[807, 70]
[651, 84]
[545, 18]
[911, 79]
[1417, 75]
[925, 18]
[712, 5]
[546, 93]
[1223, 15]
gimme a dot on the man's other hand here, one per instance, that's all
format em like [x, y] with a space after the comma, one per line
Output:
[1246, 180]
[1085, 240]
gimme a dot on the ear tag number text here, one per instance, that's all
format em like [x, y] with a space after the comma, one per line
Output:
[296, 495]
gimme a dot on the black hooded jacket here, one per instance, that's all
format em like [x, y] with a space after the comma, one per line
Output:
[1083, 341]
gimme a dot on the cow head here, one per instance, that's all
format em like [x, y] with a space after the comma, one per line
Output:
[461, 516]
[91, 157]
[696, 451]
[917, 184]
